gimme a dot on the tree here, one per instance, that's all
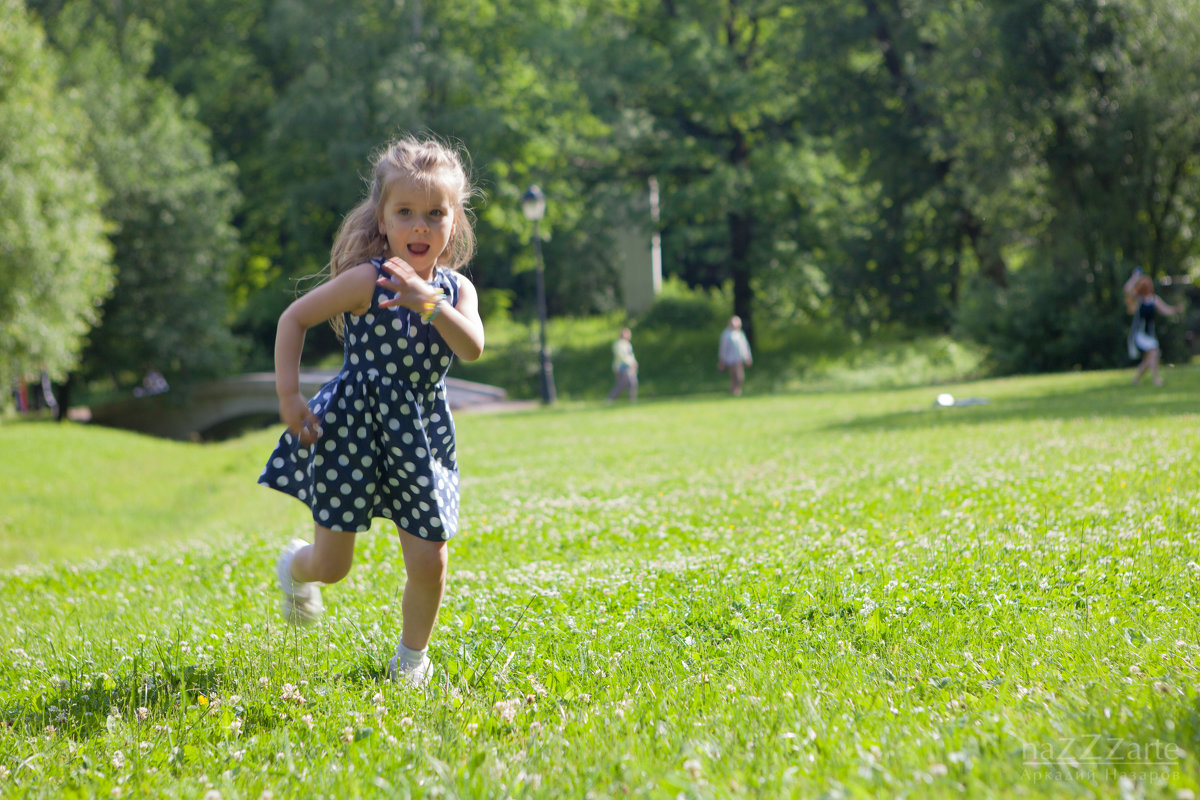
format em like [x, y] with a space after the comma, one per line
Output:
[903, 96]
[55, 261]
[350, 75]
[1101, 100]
[1108, 90]
[301, 93]
[720, 133]
[170, 204]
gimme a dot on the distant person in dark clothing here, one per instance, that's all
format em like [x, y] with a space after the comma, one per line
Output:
[1145, 306]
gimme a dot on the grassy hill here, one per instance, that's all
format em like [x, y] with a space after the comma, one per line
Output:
[851, 593]
[676, 348]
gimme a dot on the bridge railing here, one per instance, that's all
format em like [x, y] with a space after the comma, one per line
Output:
[188, 412]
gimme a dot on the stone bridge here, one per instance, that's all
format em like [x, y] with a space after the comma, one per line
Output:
[196, 412]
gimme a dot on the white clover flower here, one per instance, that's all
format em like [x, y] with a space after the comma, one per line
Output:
[507, 709]
[292, 694]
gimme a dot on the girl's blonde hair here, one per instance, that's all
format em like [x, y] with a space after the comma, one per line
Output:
[426, 161]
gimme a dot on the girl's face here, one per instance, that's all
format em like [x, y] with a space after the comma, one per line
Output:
[418, 220]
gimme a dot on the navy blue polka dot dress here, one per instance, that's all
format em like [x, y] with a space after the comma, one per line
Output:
[387, 443]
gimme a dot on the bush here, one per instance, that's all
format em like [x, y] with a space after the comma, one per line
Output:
[676, 346]
[1048, 320]
[679, 307]
[495, 305]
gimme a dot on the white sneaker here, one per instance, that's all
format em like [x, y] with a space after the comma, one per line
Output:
[417, 677]
[301, 599]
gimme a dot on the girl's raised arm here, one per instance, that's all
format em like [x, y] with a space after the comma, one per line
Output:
[459, 325]
[462, 328]
[1167, 308]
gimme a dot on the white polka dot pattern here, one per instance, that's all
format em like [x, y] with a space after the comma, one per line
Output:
[388, 447]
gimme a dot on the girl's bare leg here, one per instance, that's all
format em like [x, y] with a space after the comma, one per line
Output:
[303, 567]
[1141, 370]
[1153, 358]
[328, 559]
[425, 565]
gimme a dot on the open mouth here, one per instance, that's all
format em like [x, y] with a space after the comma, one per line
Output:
[418, 248]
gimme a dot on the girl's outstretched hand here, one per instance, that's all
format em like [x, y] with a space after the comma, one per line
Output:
[299, 418]
[411, 290]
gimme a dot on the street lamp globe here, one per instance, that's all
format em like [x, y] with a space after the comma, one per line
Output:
[533, 203]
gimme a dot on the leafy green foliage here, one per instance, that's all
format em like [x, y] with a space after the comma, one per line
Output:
[865, 163]
[721, 134]
[678, 308]
[1044, 320]
[1102, 95]
[170, 205]
[899, 93]
[55, 263]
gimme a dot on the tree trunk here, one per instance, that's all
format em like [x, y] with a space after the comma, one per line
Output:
[62, 394]
[740, 270]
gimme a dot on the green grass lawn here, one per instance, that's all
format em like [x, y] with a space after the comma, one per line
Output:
[848, 594]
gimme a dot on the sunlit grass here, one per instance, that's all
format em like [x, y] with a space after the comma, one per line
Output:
[72, 491]
[841, 594]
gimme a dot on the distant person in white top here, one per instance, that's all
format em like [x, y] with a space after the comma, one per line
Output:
[625, 367]
[733, 354]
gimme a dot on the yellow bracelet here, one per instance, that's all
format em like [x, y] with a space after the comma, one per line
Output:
[432, 306]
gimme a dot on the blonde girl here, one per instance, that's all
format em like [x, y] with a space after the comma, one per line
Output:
[378, 440]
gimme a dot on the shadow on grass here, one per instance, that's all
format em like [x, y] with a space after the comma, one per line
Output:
[1119, 402]
[81, 707]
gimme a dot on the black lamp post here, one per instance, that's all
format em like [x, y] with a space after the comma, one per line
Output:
[533, 205]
